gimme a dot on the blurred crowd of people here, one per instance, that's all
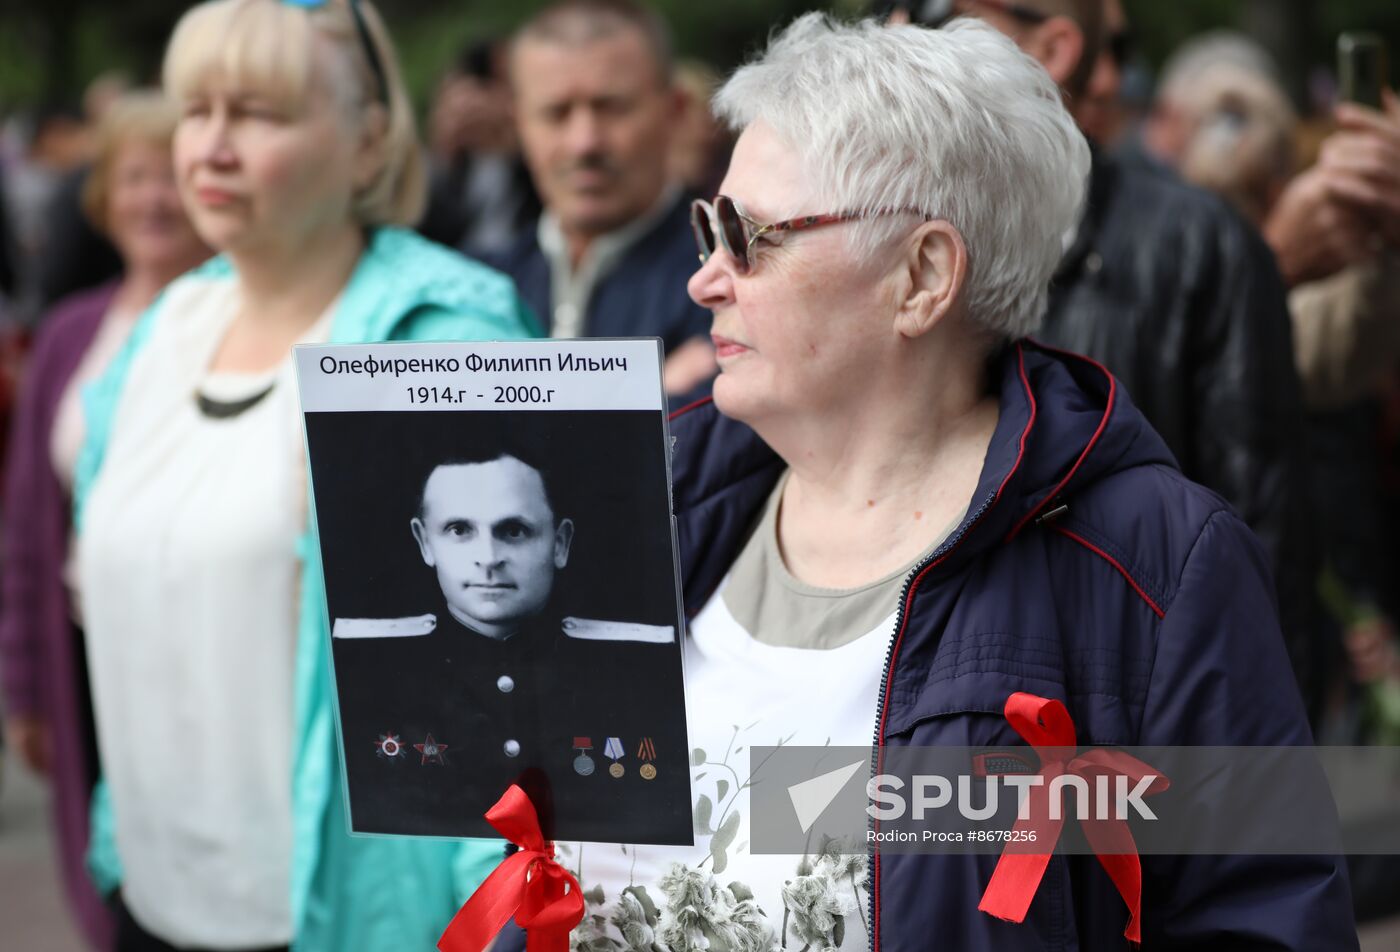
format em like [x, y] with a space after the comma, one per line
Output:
[1268, 365]
[1236, 267]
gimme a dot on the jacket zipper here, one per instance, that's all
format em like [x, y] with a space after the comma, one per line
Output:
[933, 559]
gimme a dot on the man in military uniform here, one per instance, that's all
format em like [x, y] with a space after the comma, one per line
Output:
[442, 712]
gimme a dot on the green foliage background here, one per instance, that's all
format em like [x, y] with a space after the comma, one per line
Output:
[50, 48]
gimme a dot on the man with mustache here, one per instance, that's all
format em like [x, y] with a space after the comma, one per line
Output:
[610, 256]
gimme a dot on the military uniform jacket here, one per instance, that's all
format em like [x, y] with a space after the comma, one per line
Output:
[437, 724]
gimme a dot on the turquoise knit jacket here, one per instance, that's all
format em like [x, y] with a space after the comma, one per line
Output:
[349, 894]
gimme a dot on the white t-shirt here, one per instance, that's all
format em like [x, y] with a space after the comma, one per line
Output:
[190, 579]
[740, 693]
[768, 661]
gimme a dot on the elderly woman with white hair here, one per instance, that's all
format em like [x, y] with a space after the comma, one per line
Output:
[898, 511]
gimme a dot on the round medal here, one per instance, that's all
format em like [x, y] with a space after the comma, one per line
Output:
[583, 765]
[648, 772]
[617, 770]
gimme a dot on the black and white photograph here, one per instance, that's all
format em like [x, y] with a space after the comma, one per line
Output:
[502, 600]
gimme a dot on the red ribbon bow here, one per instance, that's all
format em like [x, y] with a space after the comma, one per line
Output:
[543, 896]
[1046, 726]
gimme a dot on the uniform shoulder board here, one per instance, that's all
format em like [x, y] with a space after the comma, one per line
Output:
[593, 629]
[409, 627]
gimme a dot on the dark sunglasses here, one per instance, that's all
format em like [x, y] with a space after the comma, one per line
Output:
[935, 13]
[723, 224]
[376, 65]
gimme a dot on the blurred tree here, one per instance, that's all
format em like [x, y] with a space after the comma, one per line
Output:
[1284, 27]
[1301, 34]
[1160, 27]
[49, 50]
[722, 32]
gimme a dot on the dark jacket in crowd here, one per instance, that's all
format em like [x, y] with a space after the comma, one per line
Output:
[643, 296]
[450, 217]
[7, 250]
[1146, 608]
[1182, 301]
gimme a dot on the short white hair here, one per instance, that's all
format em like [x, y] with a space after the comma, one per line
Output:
[957, 124]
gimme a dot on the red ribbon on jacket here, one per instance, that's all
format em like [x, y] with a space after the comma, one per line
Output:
[543, 896]
[1046, 726]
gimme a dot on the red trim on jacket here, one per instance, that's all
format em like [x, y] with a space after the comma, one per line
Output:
[1157, 610]
[690, 406]
[899, 639]
[1103, 424]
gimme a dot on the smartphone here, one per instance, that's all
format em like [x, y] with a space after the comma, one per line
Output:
[1362, 66]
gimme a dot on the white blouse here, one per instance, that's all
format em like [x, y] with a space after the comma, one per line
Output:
[66, 438]
[189, 571]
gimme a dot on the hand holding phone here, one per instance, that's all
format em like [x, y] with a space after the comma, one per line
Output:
[1362, 162]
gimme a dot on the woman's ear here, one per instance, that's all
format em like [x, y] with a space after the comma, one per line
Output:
[369, 149]
[937, 270]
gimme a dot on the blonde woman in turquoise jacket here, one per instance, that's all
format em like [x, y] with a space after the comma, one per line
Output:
[221, 817]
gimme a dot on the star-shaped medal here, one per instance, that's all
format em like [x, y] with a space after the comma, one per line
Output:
[432, 751]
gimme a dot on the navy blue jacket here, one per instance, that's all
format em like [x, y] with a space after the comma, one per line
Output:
[1145, 607]
[643, 296]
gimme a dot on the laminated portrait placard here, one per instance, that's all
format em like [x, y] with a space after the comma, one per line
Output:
[495, 527]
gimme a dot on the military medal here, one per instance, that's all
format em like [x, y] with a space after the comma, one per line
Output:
[389, 747]
[583, 764]
[432, 752]
[613, 749]
[646, 751]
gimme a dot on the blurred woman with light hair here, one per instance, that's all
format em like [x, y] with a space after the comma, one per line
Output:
[221, 819]
[903, 523]
[130, 196]
[1223, 120]
[1242, 145]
